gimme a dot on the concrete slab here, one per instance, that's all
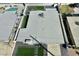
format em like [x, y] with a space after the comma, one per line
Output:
[54, 49]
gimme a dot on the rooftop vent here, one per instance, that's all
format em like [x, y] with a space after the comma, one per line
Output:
[77, 23]
[27, 40]
[41, 14]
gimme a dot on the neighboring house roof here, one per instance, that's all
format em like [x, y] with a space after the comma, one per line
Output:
[74, 27]
[76, 10]
[7, 21]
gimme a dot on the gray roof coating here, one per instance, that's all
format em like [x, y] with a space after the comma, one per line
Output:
[74, 28]
[45, 29]
[7, 21]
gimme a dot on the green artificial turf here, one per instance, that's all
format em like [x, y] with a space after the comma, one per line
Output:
[39, 8]
[35, 8]
[25, 51]
[22, 51]
[40, 51]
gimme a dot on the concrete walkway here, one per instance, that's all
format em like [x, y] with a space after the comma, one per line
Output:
[5, 49]
[72, 52]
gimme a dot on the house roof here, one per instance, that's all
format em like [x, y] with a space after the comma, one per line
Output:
[74, 27]
[45, 28]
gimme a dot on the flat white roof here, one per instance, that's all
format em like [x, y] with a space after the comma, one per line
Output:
[45, 29]
[74, 28]
[7, 21]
